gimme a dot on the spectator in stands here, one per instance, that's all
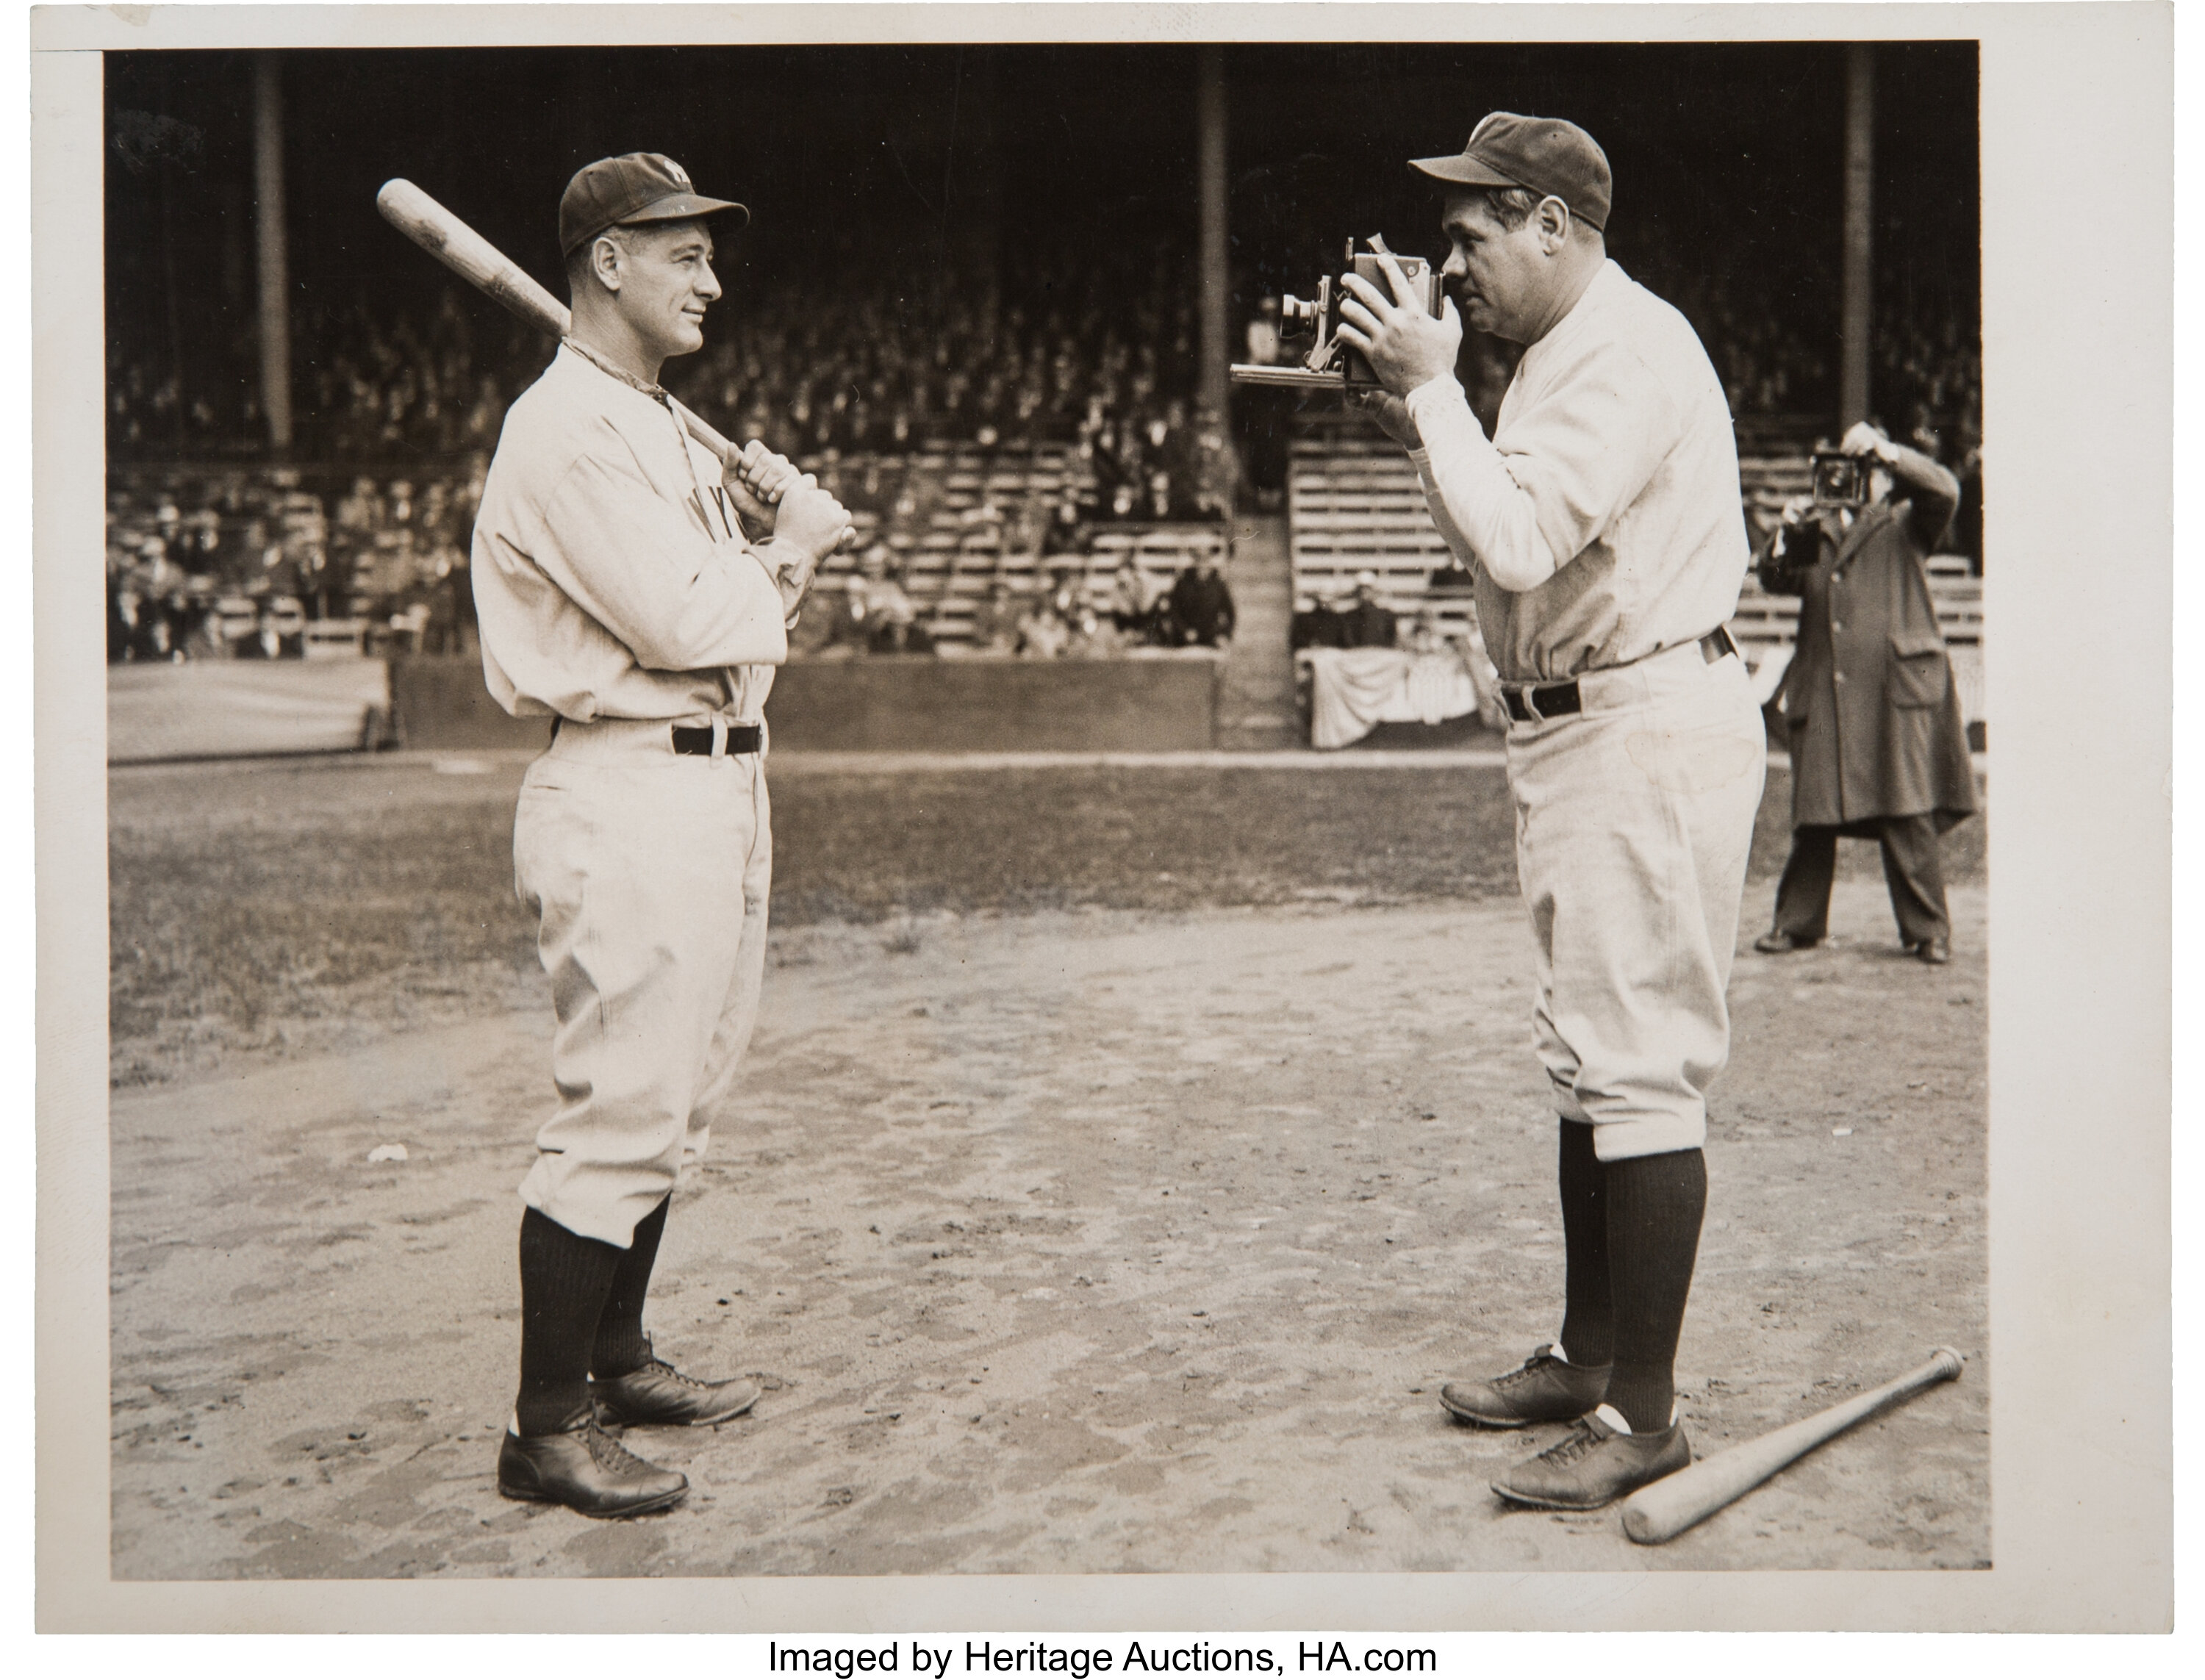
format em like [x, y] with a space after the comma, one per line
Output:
[1215, 475]
[891, 615]
[844, 627]
[1314, 624]
[1368, 623]
[1317, 624]
[1045, 626]
[1068, 532]
[1426, 635]
[1200, 605]
[1878, 747]
[1453, 577]
[1132, 604]
[996, 624]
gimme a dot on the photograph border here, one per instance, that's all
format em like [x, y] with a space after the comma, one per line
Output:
[2077, 108]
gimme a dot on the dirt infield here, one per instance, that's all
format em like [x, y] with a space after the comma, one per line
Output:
[1089, 1238]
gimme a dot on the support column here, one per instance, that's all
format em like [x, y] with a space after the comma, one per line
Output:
[275, 269]
[1214, 283]
[1856, 281]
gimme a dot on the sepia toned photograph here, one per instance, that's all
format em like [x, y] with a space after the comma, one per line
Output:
[1369, 951]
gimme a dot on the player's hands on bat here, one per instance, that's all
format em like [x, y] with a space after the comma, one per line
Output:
[1404, 347]
[765, 474]
[755, 479]
[810, 518]
[809, 524]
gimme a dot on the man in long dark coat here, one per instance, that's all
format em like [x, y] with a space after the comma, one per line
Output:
[1878, 747]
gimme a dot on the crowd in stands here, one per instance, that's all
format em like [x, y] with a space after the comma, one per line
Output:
[1071, 614]
[1094, 360]
[380, 387]
[1357, 620]
[239, 563]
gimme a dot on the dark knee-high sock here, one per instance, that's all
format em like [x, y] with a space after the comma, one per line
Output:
[621, 1345]
[564, 1280]
[1655, 1205]
[1588, 1317]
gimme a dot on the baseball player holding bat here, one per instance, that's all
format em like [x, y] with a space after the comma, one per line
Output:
[1602, 523]
[636, 588]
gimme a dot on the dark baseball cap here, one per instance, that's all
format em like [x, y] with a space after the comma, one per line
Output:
[1544, 153]
[641, 186]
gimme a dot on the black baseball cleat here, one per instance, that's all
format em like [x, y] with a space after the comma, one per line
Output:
[1935, 952]
[1544, 1389]
[655, 1393]
[1594, 1465]
[585, 1469]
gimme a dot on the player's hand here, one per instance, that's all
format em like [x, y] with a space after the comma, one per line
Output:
[756, 480]
[1392, 414]
[762, 473]
[810, 519]
[1796, 510]
[1404, 347]
[1862, 439]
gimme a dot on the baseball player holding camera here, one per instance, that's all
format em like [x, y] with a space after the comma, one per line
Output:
[1602, 524]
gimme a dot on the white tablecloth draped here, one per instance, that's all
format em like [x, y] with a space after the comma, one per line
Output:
[1354, 690]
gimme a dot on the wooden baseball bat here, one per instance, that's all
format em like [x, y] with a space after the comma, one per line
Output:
[1665, 1508]
[459, 248]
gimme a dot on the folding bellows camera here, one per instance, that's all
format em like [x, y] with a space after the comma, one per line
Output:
[1328, 364]
[1839, 480]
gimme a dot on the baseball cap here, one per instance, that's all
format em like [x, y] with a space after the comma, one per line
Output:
[1544, 153]
[640, 187]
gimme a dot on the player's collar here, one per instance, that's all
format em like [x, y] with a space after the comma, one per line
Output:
[657, 394]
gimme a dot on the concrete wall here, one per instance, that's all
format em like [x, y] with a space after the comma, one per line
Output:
[442, 704]
[996, 705]
[889, 705]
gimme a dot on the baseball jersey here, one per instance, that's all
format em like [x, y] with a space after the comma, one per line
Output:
[611, 576]
[1602, 521]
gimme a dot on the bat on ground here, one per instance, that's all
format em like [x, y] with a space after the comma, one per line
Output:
[1665, 1508]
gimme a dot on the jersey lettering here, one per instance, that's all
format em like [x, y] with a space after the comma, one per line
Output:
[721, 519]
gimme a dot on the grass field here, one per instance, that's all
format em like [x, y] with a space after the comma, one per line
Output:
[307, 905]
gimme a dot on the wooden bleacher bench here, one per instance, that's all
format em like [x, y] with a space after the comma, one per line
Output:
[950, 564]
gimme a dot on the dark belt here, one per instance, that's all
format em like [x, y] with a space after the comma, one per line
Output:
[698, 743]
[1559, 699]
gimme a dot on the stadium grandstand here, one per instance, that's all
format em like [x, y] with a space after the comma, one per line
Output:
[996, 327]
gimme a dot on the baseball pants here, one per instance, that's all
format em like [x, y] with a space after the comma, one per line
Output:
[649, 874]
[1634, 818]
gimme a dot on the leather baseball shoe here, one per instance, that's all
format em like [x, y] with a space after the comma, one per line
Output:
[1544, 1389]
[655, 1393]
[582, 1467]
[1935, 952]
[1775, 942]
[1595, 1464]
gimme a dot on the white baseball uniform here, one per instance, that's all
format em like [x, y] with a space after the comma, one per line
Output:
[1603, 524]
[615, 592]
